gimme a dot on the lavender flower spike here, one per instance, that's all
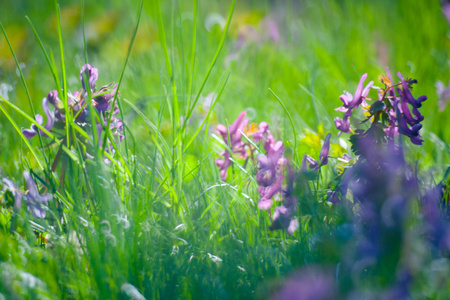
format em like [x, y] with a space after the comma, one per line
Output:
[270, 174]
[88, 75]
[412, 133]
[29, 133]
[34, 199]
[236, 144]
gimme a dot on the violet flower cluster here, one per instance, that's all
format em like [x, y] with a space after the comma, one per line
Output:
[396, 110]
[101, 99]
[36, 203]
[271, 169]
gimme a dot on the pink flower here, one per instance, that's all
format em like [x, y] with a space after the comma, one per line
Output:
[236, 144]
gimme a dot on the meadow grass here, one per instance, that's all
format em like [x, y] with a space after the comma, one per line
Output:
[158, 222]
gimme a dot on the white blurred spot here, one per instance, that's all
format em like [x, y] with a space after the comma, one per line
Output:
[214, 19]
[214, 258]
[132, 292]
[5, 89]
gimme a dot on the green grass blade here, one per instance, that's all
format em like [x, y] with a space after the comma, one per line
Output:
[207, 116]
[141, 4]
[67, 112]
[292, 123]
[52, 69]
[213, 62]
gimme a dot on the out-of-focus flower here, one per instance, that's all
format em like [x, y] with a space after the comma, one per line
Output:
[343, 125]
[88, 75]
[284, 215]
[310, 283]
[323, 156]
[34, 200]
[270, 174]
[102, 101]
[5, 89]
[436, 227]
[236, 145]
[351, 102]
[103, 98]
[446, 11]
[29, 133]
[442, 90]
[412, 133]
[17, 194]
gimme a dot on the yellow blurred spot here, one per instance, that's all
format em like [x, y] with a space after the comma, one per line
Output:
[17, 37]
[384, 79]
[70, 18]
[250, 130]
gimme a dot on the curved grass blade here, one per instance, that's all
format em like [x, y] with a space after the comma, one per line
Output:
[213, 62]
[120, 82]
[207, 116]
[48, 133]
[22, 136]
[291, 120]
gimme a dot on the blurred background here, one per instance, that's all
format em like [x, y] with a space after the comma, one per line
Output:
[307, 52]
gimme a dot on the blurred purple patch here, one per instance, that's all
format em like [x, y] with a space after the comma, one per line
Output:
[236, 145]
[34, 200]
[310, 283]
[9, 185]
[443, 91]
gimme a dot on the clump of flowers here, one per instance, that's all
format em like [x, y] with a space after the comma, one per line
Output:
[101, 99]
[395, 112]
[271, 168]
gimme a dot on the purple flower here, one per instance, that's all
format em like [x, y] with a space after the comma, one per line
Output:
[29, 133]
[310, 283]
[343, 125]
[88, 75]
[323, 156]
[34, 200]
[446, 11]
[436, 227]
[103, 102]
[350, 103]
[284, 215]
[270, 174]
[10, 186]
[77, 105]
[52, 97]
[412, 133]
[236, 144]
